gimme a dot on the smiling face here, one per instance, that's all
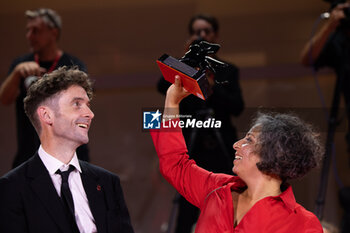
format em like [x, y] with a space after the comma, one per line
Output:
[246, 156]
[72, 116]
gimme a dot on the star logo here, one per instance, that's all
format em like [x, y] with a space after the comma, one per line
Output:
[151, 120]
[155, 115]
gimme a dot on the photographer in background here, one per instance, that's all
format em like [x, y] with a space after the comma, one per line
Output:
[330, 47]
[330, 39]
[43, 30]
[205, 147]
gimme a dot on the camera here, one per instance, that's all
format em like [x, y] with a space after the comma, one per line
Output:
[30, 80]
[346, 21]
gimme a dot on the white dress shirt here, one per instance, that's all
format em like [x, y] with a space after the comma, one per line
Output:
[83, 216]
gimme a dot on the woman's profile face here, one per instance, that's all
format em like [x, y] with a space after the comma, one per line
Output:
[246, 156]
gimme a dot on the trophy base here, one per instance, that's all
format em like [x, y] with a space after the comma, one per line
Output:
[194, 81]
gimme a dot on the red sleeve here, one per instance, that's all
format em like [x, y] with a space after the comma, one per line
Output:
[191, 181]
[313, 225]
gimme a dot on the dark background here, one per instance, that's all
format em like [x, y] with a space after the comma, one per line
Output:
[120, 40]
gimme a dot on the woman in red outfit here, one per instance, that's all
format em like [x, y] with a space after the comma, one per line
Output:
[258, 200]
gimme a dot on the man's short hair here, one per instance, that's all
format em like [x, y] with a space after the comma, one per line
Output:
[210, 19]
[49, 16]
[50, 85]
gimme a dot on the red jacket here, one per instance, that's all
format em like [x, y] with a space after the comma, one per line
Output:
[211, 193]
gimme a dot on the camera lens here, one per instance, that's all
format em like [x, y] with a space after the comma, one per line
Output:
[29, 81]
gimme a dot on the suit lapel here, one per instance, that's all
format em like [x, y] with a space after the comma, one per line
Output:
[95, 194]
[42, 185]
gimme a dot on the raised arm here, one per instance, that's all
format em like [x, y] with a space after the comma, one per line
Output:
[191, 181]
[317, 42]
[9, 89]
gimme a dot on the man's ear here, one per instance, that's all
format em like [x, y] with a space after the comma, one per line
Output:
[45, 115]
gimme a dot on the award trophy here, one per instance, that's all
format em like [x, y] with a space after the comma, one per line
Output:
[192, 67]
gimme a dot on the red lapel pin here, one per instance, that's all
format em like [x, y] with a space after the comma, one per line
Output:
[98, 187]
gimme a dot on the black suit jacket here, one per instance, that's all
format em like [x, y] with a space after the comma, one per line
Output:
[29, 202]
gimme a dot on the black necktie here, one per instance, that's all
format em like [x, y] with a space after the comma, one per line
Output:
[67, 198]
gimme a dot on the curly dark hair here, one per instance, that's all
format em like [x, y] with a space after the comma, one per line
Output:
[288, 146]
[51, 84]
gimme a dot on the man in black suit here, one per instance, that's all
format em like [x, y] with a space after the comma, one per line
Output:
[54, 191]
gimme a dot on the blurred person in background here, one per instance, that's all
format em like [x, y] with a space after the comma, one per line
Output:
[330, 47]
[43, 30]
